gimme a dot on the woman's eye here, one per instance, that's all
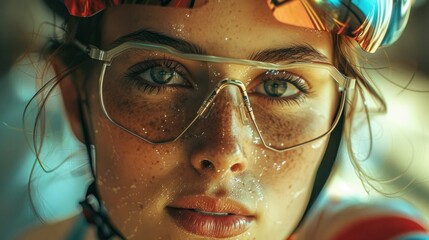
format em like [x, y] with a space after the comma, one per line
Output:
[163, 75]
[157, 74]
[277, 88]
[281, 85]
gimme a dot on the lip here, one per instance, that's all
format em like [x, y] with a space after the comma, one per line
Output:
[211, 217]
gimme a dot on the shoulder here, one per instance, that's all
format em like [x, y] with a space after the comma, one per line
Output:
[357, 219]
[71, 228]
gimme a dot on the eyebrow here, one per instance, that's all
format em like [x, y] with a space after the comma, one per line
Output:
[302, 52]
[145, 35]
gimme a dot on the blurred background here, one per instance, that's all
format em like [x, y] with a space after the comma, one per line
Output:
[25, 25]
[400, 154]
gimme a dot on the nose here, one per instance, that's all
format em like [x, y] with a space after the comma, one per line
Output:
[224, 137]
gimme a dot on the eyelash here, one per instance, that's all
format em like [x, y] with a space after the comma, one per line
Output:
[134, 80]
[298, 82]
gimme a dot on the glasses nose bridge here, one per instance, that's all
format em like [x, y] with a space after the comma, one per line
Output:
[232, 93]
[231, 90]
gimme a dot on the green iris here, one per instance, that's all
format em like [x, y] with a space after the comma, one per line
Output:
[162, 75]
[275, 87]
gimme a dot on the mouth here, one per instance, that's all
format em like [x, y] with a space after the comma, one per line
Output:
[211, 217]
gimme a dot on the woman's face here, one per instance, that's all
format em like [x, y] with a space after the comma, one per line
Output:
[218, 180]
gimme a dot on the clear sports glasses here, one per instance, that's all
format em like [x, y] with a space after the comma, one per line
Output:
[157, 93]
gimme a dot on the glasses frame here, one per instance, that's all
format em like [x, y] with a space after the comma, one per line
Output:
[344, 83]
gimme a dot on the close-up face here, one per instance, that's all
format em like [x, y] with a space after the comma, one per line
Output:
[223, 177]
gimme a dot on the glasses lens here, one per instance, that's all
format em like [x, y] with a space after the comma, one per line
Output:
[294, 106]
[156, 95]
[152, 94]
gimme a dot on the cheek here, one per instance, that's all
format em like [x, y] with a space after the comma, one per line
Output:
[288, 180]
[126, 160]
[282, 170]
[135, 178]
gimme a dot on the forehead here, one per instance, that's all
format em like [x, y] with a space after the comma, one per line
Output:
[225, 28]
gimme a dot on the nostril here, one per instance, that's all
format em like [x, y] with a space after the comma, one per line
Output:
[206, 164]
[236, 167]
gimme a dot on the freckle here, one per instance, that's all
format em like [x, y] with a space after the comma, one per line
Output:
[290, 186]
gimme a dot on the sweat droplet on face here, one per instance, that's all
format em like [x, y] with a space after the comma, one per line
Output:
[278, 166]
[216, 74]
[299, 193]
[179, 30]
[317, 144]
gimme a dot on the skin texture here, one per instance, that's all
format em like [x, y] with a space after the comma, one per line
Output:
[138, 180]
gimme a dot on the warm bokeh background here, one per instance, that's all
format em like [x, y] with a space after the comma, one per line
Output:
[400, 153]
[401, 137]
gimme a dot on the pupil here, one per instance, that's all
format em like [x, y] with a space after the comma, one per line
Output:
[161, 75]
[275, 88]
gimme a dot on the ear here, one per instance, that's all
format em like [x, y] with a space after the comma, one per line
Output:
[72, 94]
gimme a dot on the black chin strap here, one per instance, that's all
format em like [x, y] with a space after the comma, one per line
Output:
[325, 167]
[93, 209]
[96, 215]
